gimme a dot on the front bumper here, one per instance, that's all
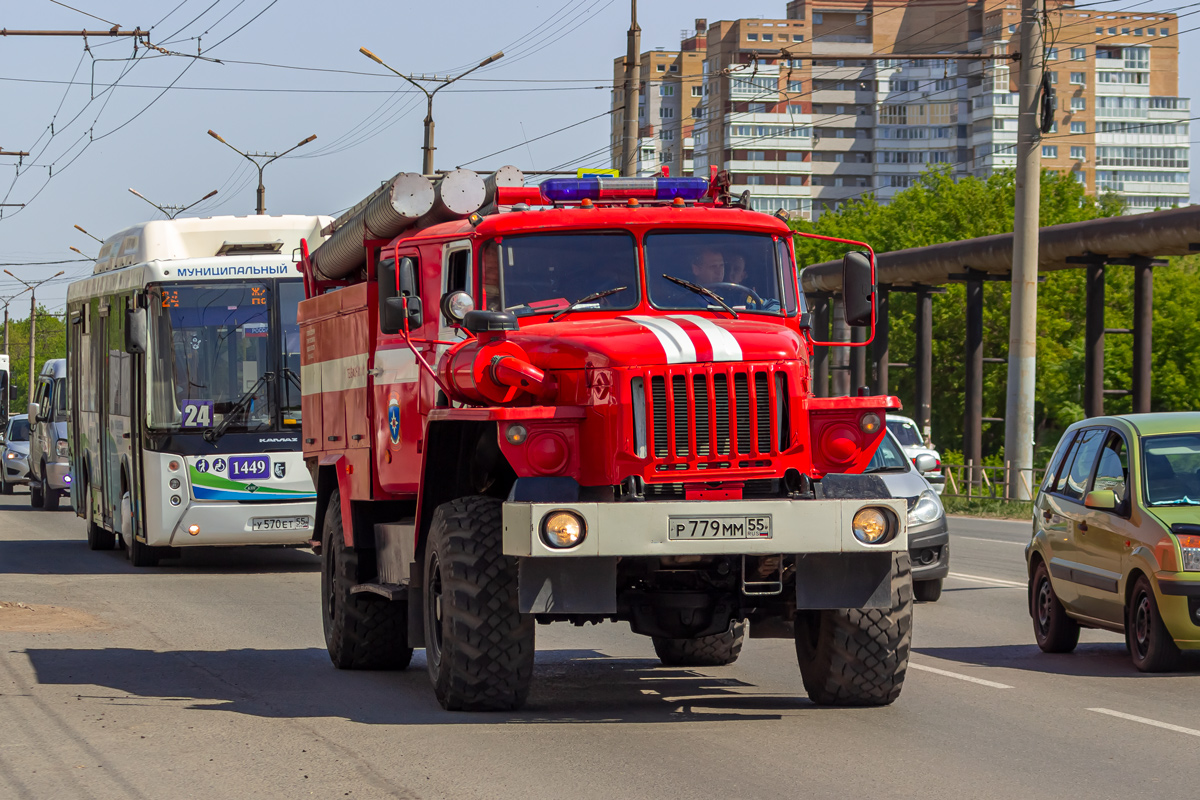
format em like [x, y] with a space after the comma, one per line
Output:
[929, 549]
[16, 470]
[230, 524]
[1179, 604]
[58, 476]
[641, 528]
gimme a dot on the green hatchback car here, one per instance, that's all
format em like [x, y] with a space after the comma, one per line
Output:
[1116, 537]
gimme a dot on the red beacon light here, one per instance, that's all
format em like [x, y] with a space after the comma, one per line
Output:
[602, 187]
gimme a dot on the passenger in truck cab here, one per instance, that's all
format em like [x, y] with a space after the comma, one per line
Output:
[708, 266]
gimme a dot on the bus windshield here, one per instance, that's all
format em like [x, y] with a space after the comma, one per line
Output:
[219, 356]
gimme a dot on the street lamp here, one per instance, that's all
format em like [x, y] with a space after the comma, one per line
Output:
[253, 159]
[427, 161]
[171, 211]
[32, 287]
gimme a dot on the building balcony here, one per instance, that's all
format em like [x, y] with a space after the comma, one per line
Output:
[769, 167]
[823, 48]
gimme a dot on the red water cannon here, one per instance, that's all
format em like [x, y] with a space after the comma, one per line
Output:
[491, 370]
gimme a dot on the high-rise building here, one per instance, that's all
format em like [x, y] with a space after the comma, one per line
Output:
[839, 99]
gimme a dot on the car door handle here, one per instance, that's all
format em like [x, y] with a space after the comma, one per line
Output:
[1047, 515]
[1083, 527]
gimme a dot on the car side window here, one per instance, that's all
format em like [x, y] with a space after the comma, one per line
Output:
[1075, 479]
[1113, 470]
[1056, 461]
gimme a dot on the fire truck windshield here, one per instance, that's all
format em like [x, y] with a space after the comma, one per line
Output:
[750, 272]
[540, 274]
[222, 355]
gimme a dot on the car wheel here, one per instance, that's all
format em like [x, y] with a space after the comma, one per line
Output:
[927, 591]
[1151, 647]
[35, 491]
[50, 496]
[5, 486]
[1054, 630]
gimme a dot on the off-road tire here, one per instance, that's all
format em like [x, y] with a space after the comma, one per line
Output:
[1151, 647]
[97, 537]
[858, 656]
[50, 497]
[478, 645]
[362, 631]
[1053, 629]
[717, 650]
[927, 591]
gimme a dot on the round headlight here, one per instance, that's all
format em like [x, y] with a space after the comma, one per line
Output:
[927, 508]
[563, 529]
[869, 422]
[872, 526]
[515, 433]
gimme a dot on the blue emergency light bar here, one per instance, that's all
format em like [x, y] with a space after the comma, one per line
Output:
[602, 187]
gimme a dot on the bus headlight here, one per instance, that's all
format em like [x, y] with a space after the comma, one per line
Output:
[62, 449]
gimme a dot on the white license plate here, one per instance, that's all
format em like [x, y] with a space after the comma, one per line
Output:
[720, 526]
[280, 523]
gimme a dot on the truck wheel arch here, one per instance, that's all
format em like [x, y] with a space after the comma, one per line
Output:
[331, 474]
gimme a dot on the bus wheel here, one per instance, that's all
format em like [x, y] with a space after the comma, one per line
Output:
[362, 631]
[97, 537]
[140, 555]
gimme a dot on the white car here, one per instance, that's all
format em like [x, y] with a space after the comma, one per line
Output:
[910, 438]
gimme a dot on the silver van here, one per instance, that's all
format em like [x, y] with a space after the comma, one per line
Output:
[49, 456]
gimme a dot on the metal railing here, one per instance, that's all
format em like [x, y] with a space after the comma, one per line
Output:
[969, 480]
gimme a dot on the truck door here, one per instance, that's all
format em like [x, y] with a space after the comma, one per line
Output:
[398, 428]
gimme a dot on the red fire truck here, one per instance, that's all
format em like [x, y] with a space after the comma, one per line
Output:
[589, 401]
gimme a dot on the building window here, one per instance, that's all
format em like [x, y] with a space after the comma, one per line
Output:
[818, 19]
[1053, 78]
[768, 37]
[1053, 127]
[674, 68]
[1049, 151]
[1124, 31]
[1078, 152]
[752, 37]
[795, 86]
[756, 180]
[795, 180]
[1099, 31]
[1052, 54]
[1078, 53]
[793, 155]
[1077, 78]
[1012, 28]
[860, 19]
[758, 108]
[756, 155]
[1163, 32]
[1078, 103]
[1080, 177]
[660, 67]
[666, 113]
[795, 109]
[1137, 31]
[1078, 127]
[697, 91]
[666, 90]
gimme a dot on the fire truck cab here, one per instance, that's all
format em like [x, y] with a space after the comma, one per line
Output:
[591, 402]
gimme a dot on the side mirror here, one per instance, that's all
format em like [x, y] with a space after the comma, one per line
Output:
[407, 277]
[1102, 499]
[33, 411]
[925, 463]
[135, 331]
[858, 289]
[395, 309]
[456, 305]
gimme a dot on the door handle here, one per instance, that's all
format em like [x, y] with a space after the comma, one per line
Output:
[1047, 515]
[1083, 527]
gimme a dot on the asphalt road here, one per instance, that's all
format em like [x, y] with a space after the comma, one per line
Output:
[210, 680]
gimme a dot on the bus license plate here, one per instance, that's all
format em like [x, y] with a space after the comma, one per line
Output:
[280, 523]
[720, 526]
[256, 467]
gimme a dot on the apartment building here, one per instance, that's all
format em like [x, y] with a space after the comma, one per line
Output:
[841, 98]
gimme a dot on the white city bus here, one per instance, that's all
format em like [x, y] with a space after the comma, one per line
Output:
[184, 386]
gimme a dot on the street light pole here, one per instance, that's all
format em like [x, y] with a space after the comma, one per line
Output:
[428, 148]
[32, 287]
[172, 212]
[253, 159]
[6, 301]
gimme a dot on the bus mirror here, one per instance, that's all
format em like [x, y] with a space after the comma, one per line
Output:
[135, 331]
[394, 311]
[858, 288]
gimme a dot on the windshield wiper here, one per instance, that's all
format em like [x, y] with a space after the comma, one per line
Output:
[884, 469]
[587, 299]
[702, 291]
[213, 434]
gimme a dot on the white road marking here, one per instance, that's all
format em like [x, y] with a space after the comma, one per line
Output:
[1144, 721]
[968, 678]
[997, 541]
[988, 581]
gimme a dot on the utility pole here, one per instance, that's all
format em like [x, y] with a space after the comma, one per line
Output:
[428, 148]
[32, 288]
[253, 159]
[6, 301]
[172, 212]
[633, 82]
[1022, 330]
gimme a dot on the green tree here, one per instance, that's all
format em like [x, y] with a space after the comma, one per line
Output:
[941, 209]
[51, 342]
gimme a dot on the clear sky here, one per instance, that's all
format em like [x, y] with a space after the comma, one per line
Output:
[556, 72]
